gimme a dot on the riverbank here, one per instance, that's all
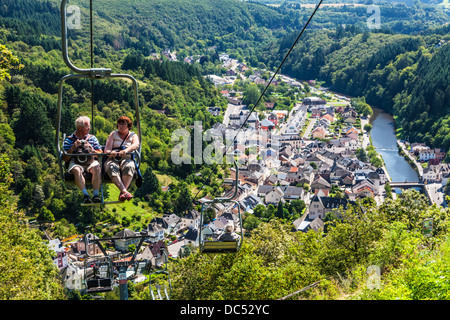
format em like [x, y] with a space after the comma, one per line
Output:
[411, 159]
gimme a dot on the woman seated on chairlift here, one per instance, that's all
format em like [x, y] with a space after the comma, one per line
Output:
[119, 143]
[229, 234]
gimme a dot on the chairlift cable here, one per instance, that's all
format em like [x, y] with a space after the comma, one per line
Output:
[301, 290]
[314, 284]
[262, 94]
[92, 60]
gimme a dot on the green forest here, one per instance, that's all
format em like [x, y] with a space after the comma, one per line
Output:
[402, 68]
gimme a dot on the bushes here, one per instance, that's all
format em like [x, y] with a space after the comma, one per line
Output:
[283, 261]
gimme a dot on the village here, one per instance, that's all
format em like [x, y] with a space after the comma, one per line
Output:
[307, 153]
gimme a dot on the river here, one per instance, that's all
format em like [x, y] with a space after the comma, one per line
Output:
[385, 143]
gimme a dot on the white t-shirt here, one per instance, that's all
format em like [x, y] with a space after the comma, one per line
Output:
[117, 141]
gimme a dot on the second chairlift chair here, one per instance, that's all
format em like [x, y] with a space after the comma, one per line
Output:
[216, 246]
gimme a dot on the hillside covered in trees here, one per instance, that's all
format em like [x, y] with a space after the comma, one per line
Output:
[403, 68]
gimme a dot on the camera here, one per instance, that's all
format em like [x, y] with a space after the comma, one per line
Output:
[117, 157]
[82, 153]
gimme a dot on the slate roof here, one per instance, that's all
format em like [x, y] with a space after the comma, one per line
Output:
[124, 233]
[331, 203]
[191, 235]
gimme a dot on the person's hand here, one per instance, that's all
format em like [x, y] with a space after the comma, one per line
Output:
[88, 145]
[122, 153]
[112, 154]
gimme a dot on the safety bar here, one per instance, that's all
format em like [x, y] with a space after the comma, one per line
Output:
[64, 153]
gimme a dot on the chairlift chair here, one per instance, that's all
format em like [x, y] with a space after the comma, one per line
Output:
[102, 280]
[160, 283]
[160, 279]
[140, 267]
[103, 277]
[216, 246]
[91, 73]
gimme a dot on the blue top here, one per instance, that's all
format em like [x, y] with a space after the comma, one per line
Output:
[69, 141]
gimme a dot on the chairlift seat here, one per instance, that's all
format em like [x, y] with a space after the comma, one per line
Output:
[220, 246]
[157, 286]
[70, 179]
[99, 285]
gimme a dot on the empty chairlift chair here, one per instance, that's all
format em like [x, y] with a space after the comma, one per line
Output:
[160, 286]
[102, 278]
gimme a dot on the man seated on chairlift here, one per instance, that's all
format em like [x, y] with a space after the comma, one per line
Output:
[78, 142]
[229, 234]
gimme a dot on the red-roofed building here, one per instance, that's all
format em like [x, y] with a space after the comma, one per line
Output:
[272, 117]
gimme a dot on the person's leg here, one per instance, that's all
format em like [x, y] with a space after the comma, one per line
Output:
[127, 168]
[95, 170]
[113, 170]
[127, 180]
[77, 172]
[118, 182]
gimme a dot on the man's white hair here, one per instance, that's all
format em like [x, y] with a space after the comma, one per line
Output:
[80, 122]
[229, 228]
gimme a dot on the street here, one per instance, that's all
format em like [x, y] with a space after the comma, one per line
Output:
[436, 192]
[231, 109]
[309, 128]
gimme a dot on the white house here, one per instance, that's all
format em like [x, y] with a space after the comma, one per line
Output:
[121, 242]
[73, 277]
[426, 154]
[190, 220]
[274, 196]
[153, 253]
[155, 232]
[272, 163]
[60, 256]
[192, 237]
[172, 221]
[432, 173]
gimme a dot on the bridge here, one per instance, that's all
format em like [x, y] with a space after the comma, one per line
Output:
[407, 184]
